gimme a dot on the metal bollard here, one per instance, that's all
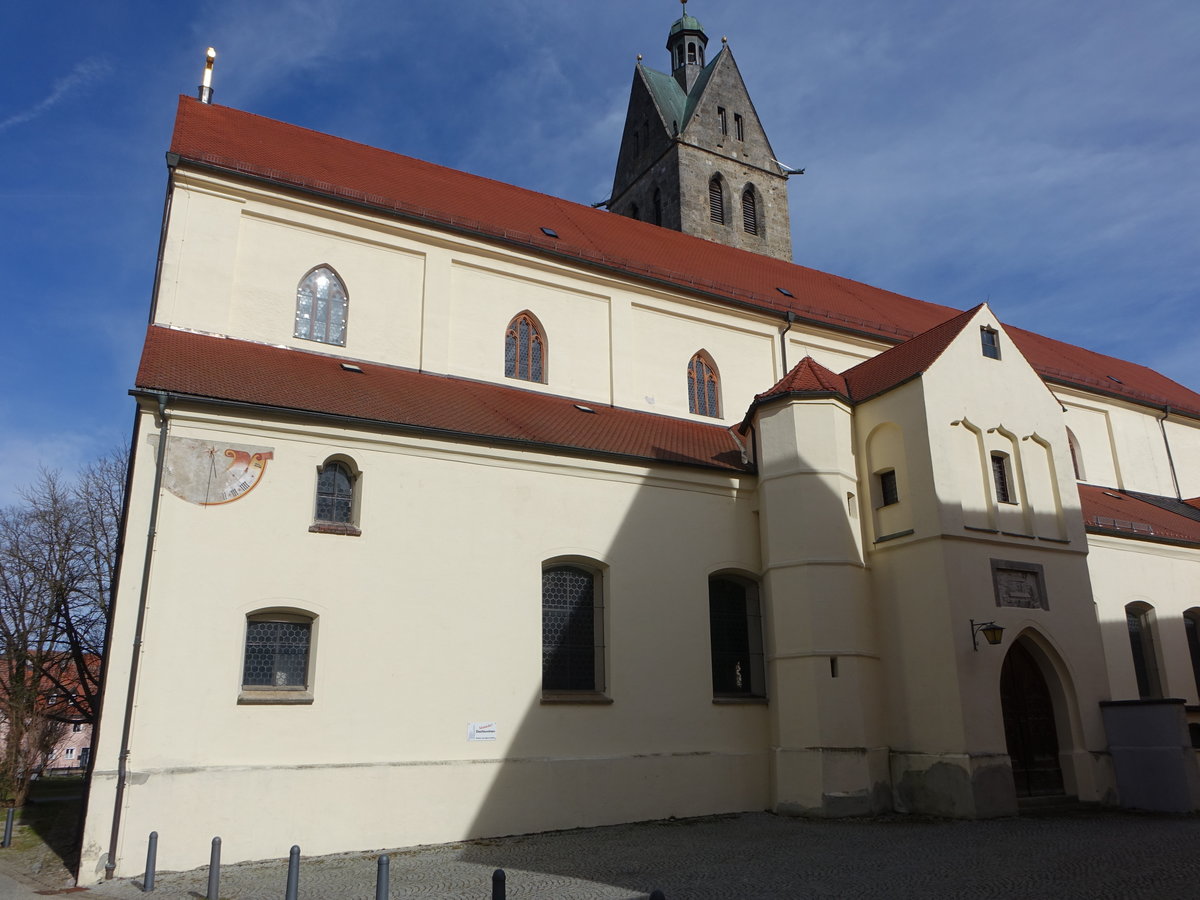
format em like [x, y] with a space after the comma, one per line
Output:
[151, 863]
[657, 895]
[214, 871]
[8, 823]
[293, 880]
[498, 890]
[382, 878]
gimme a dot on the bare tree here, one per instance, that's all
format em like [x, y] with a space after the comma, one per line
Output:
[58, 553]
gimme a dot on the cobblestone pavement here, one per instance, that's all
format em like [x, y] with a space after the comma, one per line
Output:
[757, 855]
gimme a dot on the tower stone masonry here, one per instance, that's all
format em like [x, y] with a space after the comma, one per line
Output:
[694, 156]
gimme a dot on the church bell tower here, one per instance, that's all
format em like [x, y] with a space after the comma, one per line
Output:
[694, 156]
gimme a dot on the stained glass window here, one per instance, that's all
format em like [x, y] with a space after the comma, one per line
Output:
[735, 628]
[1141, 645]
[524, 350]
[572, 630]
[335, 494]
[276, 654]
[321, 307]
[702, 387]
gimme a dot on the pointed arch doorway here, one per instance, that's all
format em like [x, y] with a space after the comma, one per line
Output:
[1029, 726]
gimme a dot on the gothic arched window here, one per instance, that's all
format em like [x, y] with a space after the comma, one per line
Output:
[525, 349]
[321, 307]
[749, 211]
[716, 200]
[703, 386]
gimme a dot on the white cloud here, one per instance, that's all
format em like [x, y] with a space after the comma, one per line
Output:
[83, 76]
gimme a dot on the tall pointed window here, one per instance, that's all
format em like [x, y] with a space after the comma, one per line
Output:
[716, 200]
[735, 634]
[749, 211]
[1141, 645]
[525, 349]
[1191, 624]
[572, 629]
[703, 386]
[657, 207]
[321, 307]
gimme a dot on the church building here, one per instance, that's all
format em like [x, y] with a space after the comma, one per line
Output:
[460, 510]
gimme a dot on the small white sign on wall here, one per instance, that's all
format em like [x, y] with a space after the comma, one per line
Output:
[481, 731]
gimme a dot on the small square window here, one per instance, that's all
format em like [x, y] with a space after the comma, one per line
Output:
[76, 728]
[990, 339]
[888, 491]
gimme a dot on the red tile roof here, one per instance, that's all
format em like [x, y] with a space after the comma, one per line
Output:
[186, 363]
[239, 142]
[807, 377]
[904, 361]
[1124, 514]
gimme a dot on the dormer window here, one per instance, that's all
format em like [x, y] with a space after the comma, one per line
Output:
[990, 339]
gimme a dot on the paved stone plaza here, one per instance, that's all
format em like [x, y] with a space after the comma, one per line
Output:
[752, 856]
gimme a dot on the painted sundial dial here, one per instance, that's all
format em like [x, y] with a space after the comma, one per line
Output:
[209, 473]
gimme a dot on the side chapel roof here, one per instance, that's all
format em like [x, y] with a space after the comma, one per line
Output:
[207, 367]
[1130, 514]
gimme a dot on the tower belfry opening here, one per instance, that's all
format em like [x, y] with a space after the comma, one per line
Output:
[694, 127]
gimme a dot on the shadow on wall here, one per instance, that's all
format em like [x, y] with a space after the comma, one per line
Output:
[617, 657]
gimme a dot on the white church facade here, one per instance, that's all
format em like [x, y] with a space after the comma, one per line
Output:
[460, 510]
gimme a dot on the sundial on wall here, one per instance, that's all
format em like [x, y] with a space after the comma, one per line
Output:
[209, 473]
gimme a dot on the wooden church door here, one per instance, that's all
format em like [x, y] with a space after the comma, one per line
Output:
[1029, 725]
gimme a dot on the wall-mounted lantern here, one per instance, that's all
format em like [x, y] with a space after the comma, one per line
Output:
[991, 631]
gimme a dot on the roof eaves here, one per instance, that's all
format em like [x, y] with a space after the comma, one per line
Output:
[431, 431]
[1138, 536]
[725, 294]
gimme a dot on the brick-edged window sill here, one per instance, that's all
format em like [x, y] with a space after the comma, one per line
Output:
[335, 528]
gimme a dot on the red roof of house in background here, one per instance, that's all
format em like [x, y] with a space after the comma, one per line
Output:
[1126, 514]
[205, 366]
[239, 142]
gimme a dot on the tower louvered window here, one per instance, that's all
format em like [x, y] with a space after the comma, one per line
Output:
[703, 387]
[716, 200]
[524, 350]
[749, 211]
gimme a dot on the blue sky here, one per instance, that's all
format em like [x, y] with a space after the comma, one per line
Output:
[1042, 156]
